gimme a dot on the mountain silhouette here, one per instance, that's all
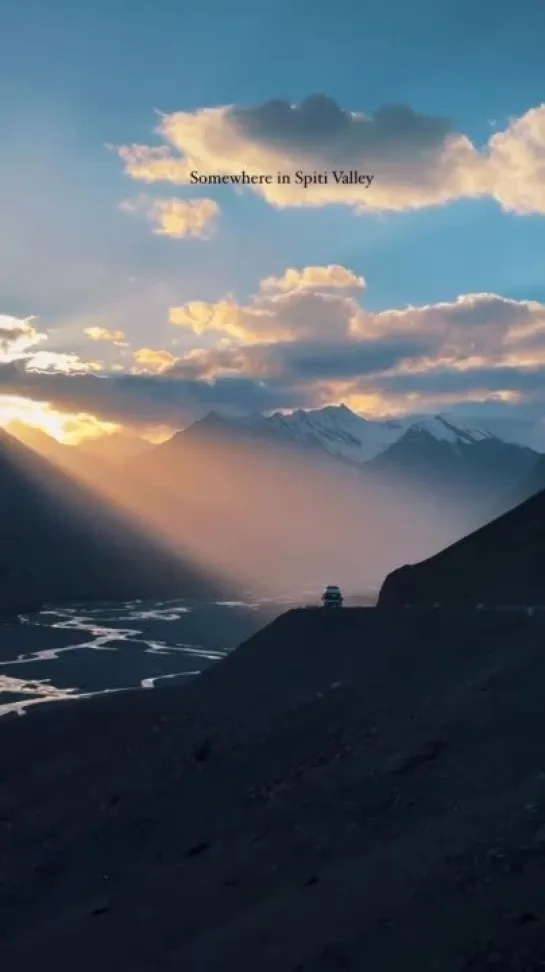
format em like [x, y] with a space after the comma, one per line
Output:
[501, 564]
[59, 541]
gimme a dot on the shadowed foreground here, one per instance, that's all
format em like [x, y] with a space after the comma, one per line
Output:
[354, 791]
[502, 563]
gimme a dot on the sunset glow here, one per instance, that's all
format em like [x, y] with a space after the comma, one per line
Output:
[70, 429]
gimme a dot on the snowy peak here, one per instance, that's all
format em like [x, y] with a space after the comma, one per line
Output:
[445, 429]
[344, 433]
[339, 431]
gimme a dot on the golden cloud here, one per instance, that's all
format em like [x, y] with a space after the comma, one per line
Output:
[68, 428]
[150, 360]
[176, 218]
[300, 309]
[103, 334]
[290, 345]
[314, 278]
[301, 332]
[246, 325]
[416, 160]
[386, 405]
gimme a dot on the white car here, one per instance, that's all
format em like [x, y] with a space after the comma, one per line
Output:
[332, 597]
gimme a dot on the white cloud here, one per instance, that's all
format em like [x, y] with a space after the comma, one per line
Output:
[65, 362]
[17, 337]
[417, 160]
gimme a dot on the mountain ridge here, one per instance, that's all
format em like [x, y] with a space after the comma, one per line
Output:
[339, 430]
[501, 563]
[60, 541]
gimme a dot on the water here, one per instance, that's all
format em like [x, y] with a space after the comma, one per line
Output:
[70, 652]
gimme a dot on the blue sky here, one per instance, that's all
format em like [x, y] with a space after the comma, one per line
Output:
[77, 78]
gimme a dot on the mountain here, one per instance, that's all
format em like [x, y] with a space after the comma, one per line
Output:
[38, 440]
[339, 432]
[119, 447]
[531, 484]
[370, 783]
[335, 429]
[503, 563]
[59, 541]
[442, 455]
[464, 460]
[73, 459]
[286, 511]
[314, 497]
[515, 430]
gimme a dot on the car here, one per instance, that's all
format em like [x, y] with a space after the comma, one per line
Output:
[332, 597]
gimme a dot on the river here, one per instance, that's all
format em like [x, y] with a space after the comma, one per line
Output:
[82, 650]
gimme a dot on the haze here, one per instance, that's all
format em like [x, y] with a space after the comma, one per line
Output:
[267, 518]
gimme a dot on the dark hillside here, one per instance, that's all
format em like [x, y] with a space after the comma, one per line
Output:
[503, 563]
[354, 791]
[59, 541]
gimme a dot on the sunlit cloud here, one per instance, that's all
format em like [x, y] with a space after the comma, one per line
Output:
[305, 339]
[68, 428]
[65, 362]
[306, 304]
[17, 337]
[314, 278]
[176, 218]
[103, 334]
[152, 361]
[416, 160]
[390, 406]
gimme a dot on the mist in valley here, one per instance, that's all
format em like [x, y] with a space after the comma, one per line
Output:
[267, 518]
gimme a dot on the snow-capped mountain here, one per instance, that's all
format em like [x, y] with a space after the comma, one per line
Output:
[327, 487]
[334, 428]
[474, 459]
[517, 431]
[435, 453]
[342, 433]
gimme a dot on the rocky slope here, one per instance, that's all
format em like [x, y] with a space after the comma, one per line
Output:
[334, 794]
[503, 563]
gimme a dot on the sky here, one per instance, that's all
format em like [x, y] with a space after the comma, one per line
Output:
[134, 300]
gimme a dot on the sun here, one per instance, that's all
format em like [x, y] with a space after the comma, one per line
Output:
[67, 428]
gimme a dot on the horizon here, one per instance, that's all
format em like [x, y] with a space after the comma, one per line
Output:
[18, 427]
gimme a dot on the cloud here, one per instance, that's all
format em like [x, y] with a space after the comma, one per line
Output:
[150, 361]
[176, 218]
[67, 363]
[314, 278]
[416, 160]
[296, 315]
[288, 348]
[68, 428]
[308, 304]
[103, 334]
[9, 334]
[17, 337]
[19, 341]
[144, 400]
[469, 325]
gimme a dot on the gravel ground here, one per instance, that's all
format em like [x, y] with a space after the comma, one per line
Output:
[357, 791]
